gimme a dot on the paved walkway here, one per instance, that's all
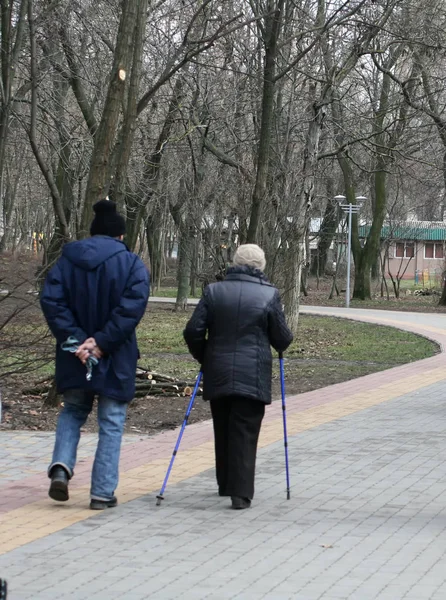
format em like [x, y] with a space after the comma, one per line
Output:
[366, 519]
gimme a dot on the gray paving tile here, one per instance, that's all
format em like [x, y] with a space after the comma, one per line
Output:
[366, 520]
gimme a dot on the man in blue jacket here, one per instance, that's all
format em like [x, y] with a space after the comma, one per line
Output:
[93, 299]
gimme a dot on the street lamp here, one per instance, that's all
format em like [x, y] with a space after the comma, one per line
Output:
[350, 209]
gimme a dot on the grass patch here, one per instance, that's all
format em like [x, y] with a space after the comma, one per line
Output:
[161, 331]
[315, 359]
[165, 293]
[169, 292]
[325, 338]
[175, 366]
[160, 338]
[327, 350]
[335, 338]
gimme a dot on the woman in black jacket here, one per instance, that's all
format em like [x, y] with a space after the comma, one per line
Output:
[230, 334]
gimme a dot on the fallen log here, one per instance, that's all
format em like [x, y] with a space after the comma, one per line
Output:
[38, 390]
[147, 374]
[162, 384]
[144, 393]
[146, 383]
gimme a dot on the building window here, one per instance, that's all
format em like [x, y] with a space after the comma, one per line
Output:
[405, 250]
[432, 250]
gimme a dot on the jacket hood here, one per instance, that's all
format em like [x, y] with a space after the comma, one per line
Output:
[247, 270]
[90, 253]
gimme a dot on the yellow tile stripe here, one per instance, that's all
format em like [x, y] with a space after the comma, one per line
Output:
[39, 519]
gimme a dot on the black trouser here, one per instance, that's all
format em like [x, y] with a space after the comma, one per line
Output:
[237, 423]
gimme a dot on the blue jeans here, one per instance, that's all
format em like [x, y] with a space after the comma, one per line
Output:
[111, 419]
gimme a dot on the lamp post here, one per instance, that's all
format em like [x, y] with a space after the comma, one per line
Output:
[350, 209]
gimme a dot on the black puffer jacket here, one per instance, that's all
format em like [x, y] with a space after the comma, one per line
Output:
[231, 333]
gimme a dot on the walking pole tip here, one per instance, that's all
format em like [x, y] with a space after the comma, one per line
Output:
[288, 494]
[158, 500]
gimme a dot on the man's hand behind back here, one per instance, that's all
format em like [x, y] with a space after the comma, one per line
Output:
[87, 349]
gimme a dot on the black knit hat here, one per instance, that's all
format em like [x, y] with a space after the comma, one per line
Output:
[107, 220]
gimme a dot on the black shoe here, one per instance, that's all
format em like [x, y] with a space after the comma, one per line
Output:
[103, 504]
[3, 589]
[59, 484]
[240, 503]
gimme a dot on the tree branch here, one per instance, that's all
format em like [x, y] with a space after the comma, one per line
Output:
[201, 8]
[75, 80]
[172, 68]
[31, 131]
[331, 22]
[218, 152]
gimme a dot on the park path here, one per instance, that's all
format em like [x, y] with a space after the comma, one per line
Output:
[366, 519]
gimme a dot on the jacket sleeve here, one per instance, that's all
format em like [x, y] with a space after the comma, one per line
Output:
[279, 333]
[129, 312]
[196, 328]
[54, 303]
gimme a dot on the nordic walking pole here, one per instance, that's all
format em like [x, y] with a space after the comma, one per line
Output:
[285, 435]
[177, 445]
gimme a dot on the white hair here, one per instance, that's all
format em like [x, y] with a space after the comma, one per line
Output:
[251, 255]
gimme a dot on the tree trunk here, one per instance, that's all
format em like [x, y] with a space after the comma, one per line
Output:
[52, 398]
[64, 179]
[327, 233]
[296, 250]
[293, 273]
[272, 31]
[375, 268]
[11, 43]
[185, 252]
[9, 198]
[136, 205]
[127, 132]
[366, 257]
[99, 176]
[195, 267]
[442, 301]
[58, 207]
[363, 281]
[155, 245]
[306, 264]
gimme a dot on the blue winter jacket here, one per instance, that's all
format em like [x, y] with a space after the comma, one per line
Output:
[98, 288]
